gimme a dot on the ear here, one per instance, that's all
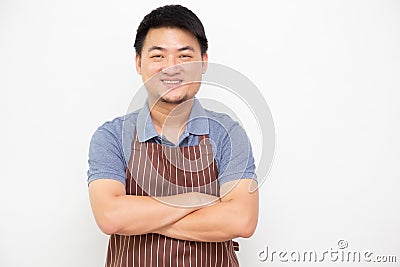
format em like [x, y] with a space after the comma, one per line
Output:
[138, 61]
[205, 62]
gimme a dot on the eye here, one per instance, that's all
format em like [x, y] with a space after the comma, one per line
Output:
[185, 56]
[156, 56]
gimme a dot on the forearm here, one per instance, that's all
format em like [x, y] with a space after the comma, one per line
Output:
[216, 223]
[236, 215]
[118, 213]
[134, 215]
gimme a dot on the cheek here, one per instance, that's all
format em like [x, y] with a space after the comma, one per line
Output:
[193, 71]
[150, 69]
[190, 89]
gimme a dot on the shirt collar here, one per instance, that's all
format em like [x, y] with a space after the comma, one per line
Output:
[197, 125]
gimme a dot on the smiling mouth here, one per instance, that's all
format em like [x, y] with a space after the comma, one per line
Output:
[172, 83]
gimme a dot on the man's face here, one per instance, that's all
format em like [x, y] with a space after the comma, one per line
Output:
[171, 65]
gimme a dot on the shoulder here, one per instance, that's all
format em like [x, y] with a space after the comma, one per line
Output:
[220, 120]
[111, 141]
[232, 147]
[222, 125]
[113, 129]
[106, 150]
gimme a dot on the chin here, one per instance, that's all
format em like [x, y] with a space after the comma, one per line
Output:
[173, 100]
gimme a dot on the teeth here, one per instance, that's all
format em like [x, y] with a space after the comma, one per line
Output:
[171, 82]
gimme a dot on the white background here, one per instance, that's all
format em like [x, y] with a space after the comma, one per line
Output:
[328, 69]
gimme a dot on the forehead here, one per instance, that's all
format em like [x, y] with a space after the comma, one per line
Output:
[170, 38]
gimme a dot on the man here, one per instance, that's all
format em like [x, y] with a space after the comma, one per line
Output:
[185, 190]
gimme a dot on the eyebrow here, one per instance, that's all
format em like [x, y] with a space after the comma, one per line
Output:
[154, 47]
[188, 47]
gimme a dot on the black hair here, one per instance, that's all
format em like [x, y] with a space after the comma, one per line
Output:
[174, 16]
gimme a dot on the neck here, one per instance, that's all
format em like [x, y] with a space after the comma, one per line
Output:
[169, 117]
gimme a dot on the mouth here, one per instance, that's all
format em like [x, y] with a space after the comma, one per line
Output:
[172, 83]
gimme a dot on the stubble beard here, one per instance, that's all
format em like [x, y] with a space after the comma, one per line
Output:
[174, 102]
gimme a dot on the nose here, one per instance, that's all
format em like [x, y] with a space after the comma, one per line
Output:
[171, 67]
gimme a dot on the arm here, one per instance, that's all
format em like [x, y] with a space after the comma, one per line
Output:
[236, 215]
[118, 213]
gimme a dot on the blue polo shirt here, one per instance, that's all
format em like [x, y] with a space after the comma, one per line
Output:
[110, 146]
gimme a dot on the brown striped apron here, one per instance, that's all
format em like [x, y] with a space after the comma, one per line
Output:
[158, 170]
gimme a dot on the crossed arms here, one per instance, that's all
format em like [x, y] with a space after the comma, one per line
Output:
[192, 216]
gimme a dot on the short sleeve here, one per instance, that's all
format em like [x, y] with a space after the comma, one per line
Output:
[237, 159]
[106, 157]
